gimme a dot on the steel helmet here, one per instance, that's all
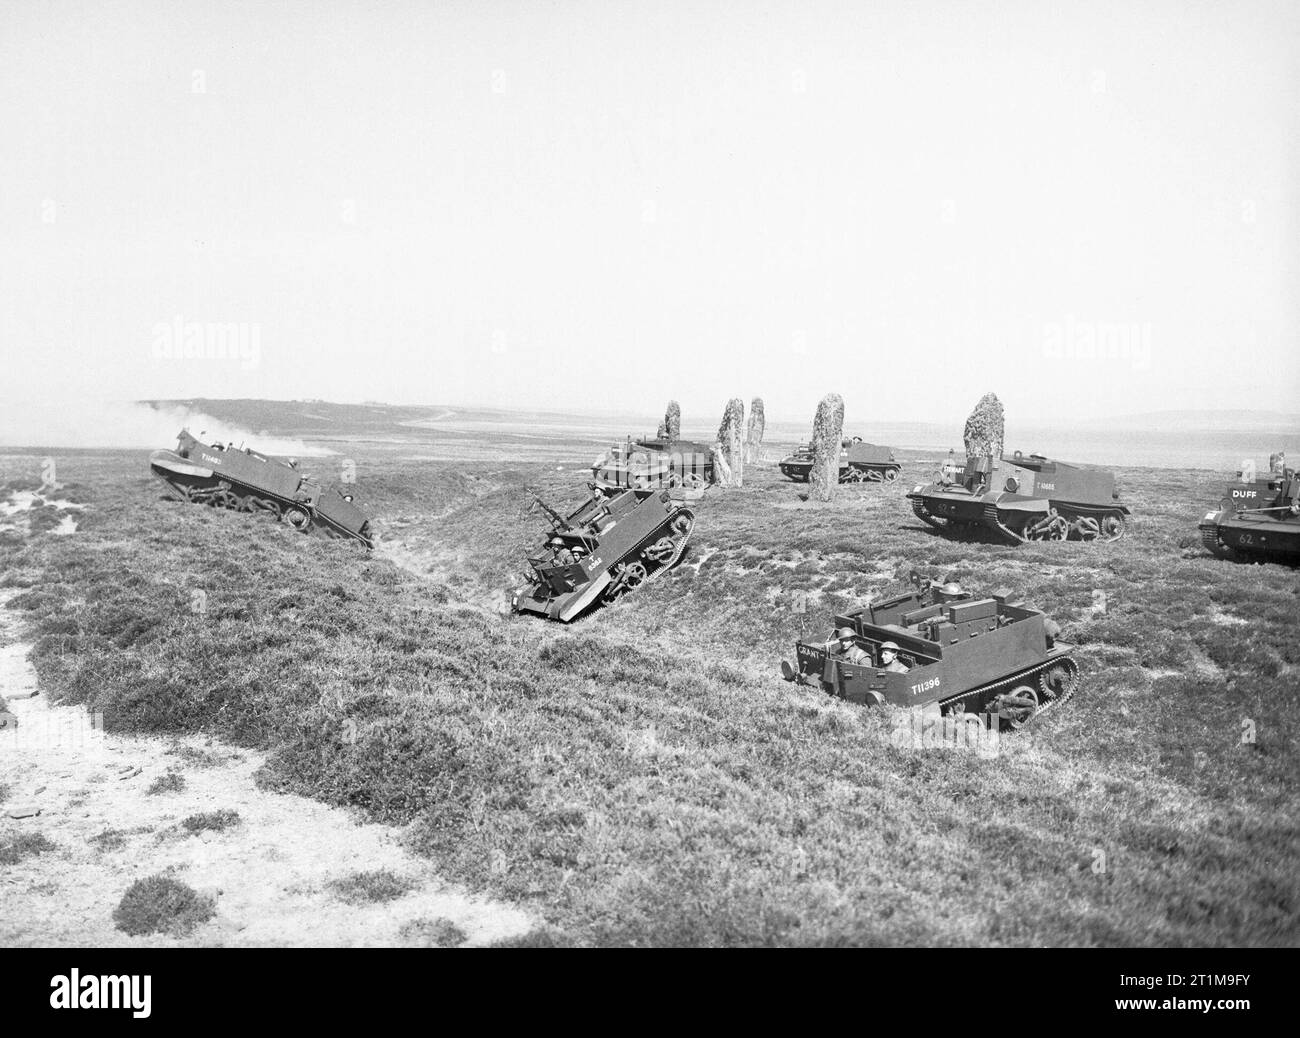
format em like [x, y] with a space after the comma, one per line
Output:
[887, 646]
[843, 633]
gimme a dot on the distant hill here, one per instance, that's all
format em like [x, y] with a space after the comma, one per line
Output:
[325, 418]
[1205, 421]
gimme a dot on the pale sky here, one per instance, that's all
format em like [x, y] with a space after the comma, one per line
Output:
[604, 205]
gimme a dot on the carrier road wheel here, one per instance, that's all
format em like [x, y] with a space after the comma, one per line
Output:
[628, 577]
[659, 551]
[297, 518]
[1088, 527]
[1058, 681]
[1112, 527]
[1018, 706]
[889, 475]
[634, 574]
[1052, 527]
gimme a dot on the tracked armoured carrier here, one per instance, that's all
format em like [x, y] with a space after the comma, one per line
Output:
[615, 542]
[860, 462]
[961, 654]
[223, 476]
[1024, 497]
[1257, 521]
[649, 463]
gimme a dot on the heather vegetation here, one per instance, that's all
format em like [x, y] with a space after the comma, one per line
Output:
[162, 904]
[373, 887]
[16, 846]
[644, 776]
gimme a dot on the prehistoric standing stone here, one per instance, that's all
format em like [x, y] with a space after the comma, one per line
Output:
[721, 470]
[985, 431]
[672, 427]
[828, 432]
[754, 435]
[731, 443]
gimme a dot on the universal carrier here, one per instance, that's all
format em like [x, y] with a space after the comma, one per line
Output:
[1024, 498]
[649, 463]
[1258, 521]
[613, 543]
[860, 462]
[240, 479]
[965, 655]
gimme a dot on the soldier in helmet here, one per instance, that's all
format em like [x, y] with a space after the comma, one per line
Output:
[848, 648]
[562, 553]
[889, 658]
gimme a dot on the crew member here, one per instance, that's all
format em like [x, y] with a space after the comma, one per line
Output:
[849, 649]
[889, 659]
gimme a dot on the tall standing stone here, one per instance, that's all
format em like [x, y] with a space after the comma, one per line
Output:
[731, 444]
[721, 470]
[673, 422]
[985, 431]
[754, 434]
[828, 432]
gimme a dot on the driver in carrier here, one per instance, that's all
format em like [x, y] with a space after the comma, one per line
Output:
[848, 648]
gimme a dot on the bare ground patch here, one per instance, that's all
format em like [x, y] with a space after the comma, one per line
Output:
[272, 875]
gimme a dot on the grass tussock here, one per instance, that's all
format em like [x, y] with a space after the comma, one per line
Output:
[109, 840]
[14, 847]
[162, 904]
[171, 782]
[211, 821]
[644, 777]
[375, 887]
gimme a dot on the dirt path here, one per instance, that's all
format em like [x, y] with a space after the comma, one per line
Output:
[271, 873]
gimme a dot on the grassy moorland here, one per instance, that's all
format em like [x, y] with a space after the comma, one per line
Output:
[644, 776]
